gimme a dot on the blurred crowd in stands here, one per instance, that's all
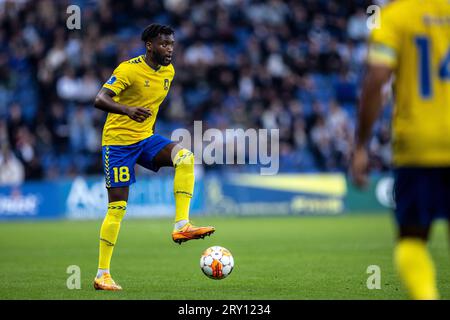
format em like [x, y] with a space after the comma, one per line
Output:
[292, 65]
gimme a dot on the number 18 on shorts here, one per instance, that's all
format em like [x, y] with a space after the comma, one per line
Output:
[117, 171]
[119, 161]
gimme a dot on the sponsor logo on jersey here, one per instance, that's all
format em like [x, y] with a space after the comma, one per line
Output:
[111, 80]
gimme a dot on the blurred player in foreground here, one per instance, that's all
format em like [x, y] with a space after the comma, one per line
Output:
[132, 97]
[413, 44]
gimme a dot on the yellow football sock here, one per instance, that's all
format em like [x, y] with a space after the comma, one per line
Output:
[183, 183]
[416, 269]
[110, 231]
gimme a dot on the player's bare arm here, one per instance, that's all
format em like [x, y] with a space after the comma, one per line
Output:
[369, 108]
[104, 101]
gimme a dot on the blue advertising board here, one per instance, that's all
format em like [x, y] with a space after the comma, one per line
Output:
[294, 194]
[249, 194]
[236, 194]
[86, 198]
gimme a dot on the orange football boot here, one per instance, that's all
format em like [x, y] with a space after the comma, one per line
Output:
[105, 282]
[190, 232]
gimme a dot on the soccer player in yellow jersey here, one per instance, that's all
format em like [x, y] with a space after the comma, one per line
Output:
[132, 97]
[413, 44]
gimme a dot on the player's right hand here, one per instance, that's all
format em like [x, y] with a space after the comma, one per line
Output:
[138, 114]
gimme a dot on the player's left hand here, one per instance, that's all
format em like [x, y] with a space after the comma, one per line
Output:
[359, 167]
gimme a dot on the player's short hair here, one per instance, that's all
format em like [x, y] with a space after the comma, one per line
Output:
[154, 30]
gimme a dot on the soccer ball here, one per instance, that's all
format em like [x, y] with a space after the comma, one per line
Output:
[217, 262]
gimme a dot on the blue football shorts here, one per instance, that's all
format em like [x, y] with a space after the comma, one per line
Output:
[421, 195]
[119, 161]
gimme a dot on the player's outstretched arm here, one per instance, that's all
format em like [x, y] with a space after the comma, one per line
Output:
[369, 109]
[104, 101]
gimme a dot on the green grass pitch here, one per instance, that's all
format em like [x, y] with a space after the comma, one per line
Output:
[275, 258]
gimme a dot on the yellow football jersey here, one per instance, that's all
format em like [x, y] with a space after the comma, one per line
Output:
[135, 84]
[414, 39]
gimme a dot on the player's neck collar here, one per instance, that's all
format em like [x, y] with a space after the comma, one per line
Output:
[145, 60]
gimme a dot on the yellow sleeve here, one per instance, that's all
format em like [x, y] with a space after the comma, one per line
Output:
[120, 79]
[384, 42]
